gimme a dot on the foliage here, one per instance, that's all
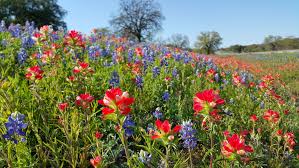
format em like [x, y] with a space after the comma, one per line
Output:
[178, 41]
[46, 12]
[208, 42]
[104, 101]
[138, 19]
[271, 43]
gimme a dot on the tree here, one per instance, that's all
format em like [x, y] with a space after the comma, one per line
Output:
[270, 42]
[138, 19]
[102, 30]
[208, 42]
[179, 41]
[271, 39]
[237, 48]
[42, 12]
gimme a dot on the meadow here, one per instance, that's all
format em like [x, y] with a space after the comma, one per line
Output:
[283, 64]
[71, 100]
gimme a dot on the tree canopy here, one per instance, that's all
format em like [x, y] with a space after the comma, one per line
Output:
[138, 19]
[208, 42]
[179, 41]
[42, 12]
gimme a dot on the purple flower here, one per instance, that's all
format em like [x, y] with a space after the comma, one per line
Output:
[114, 81]
[130, 55]
[2, 26]
[174, 72]
[27, 41]
[139, 81]
[22, 56]
[216, 77]
[166, 96]
[188, 135]
[145, 157]
[15, 126]
[15, 30]
[156, 71]
[157, 113]
[93, 52]
[128, 126]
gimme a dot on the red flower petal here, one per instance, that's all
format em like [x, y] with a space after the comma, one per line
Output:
[177, 128]
[107, 111]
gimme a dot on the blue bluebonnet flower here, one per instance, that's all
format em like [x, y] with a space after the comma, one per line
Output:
[139, 81]
[177, 57]
[29, 27]
[54, 37]
[145, 65]
[2, 26]
[14, 127]
[262, 105]
[188, 135]
[227, 112]
[144, 157]
[22, 56]
[130, 55]
[174, 72]
[92, 38]
[163, 62]
[156, 71]
[128, 126]
[114, 80]
[104, 52]
[216, 77]
[166, 96]
[114, 57]
[2, 55]
[93, 52]
[15, 30]
[157, 113]
[187, 59]
[27, 41]
[225, 82]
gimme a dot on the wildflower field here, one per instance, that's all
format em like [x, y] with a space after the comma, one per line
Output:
[71, 100]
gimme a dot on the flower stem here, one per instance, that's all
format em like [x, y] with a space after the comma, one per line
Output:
[190, 155]
[212, 144]
[166, 157]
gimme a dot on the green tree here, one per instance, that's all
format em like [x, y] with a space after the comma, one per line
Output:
[42, 12]
[179, 41]
[208, 42]
[138, 19]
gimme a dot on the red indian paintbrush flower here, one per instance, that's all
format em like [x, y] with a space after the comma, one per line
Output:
[116, 101]
[234, 145]
[34, 73]
[165, 130]
[96, 161]
[253, 118]
[84, 100]
[74, 38]
[62, 106]
[82, 68]
[271, 116]
[290, 140]
[98, 135]
[206, 101]
[138, 51]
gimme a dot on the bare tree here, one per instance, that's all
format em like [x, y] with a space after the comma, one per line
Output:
[208, 42]
[179, 41]
[138, 18]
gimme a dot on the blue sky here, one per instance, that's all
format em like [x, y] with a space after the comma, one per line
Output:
[237, 21]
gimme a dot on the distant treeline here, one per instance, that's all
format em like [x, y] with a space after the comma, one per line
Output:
[271, 43]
